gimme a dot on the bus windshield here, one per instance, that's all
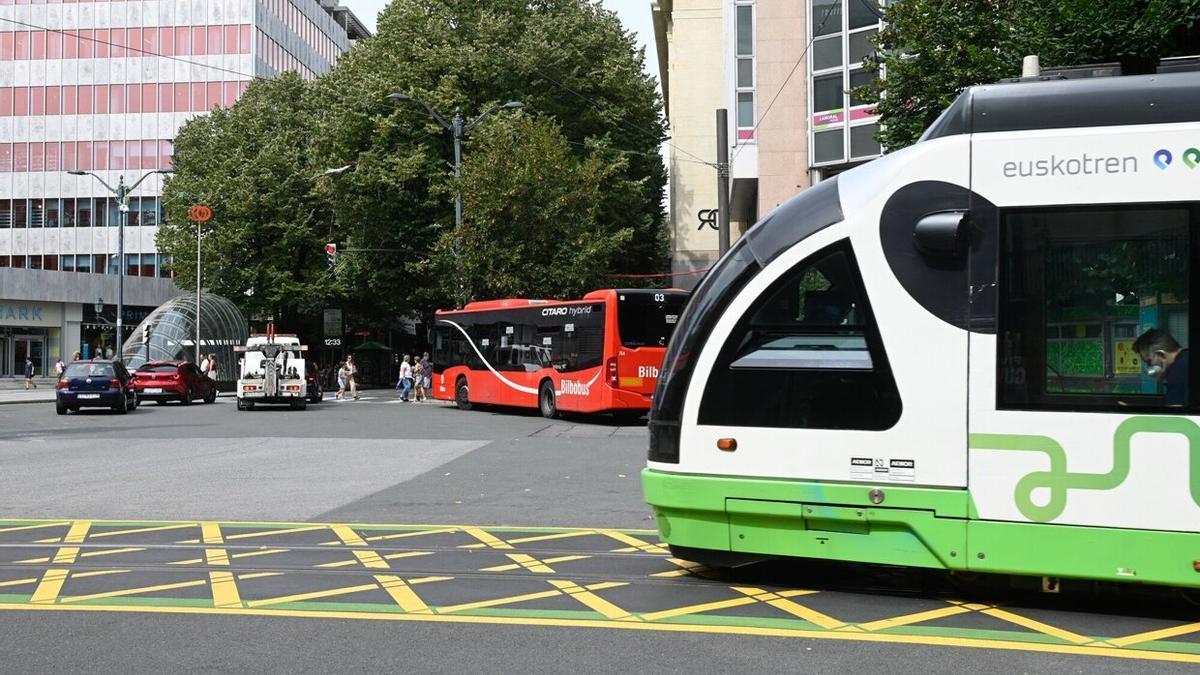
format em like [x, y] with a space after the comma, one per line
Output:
[647, 319]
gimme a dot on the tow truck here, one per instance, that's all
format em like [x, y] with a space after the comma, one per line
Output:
[271, 370]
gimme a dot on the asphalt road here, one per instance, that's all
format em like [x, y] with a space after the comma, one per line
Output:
[482, 474]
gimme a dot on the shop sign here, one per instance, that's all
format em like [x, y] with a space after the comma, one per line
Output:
[19, 313]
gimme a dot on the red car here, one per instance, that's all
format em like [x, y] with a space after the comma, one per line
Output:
[181, 381]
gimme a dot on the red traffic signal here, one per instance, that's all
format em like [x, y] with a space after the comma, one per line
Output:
[331, 249]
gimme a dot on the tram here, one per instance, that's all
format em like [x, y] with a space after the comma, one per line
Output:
[970, 354]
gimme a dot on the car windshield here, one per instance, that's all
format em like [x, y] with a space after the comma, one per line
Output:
[90, 370]
[157, 368]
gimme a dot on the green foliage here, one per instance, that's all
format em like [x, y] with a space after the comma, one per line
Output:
[594, 123]
[264, 247]
[933, 49]
[532, 227]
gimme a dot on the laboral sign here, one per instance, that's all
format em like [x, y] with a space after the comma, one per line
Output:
[19, 313]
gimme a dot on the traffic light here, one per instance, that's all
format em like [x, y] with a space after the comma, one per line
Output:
[331, 255]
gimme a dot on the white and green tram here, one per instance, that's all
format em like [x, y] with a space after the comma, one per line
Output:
[930, 360]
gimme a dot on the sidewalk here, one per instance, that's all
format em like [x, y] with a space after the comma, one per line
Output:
[43, 394]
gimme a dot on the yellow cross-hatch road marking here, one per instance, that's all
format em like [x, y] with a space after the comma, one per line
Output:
[687, 568]
[232, 556]
[1161, 634]
[487, 539]
[541, 537]
[66, 555]
[211, 533]
[133, 591]
[404, 596]
[748, 599]
[348, 536]
[528, 562]
[224, 590]
[78, 532]
[359, 560]
[916, 617]
[515, 599]
[594, 602]
[312, 596]
[268, 533]
[404, 535]
[37, 526]
[97, 573]
[48, 589]
[140, 530]
[780, 601]
[18, 582]
[1038, 626]
[633, 543]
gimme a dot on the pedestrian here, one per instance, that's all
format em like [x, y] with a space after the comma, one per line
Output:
[342, 376]
[29, 374]
[406, 378]
[418, 380]
[427, 368]
[76, 356]
[59, 367]
[212, 367]
[108, 352]
[352, 376]
[203, 363]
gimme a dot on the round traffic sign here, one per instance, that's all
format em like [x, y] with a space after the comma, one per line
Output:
[200, 213]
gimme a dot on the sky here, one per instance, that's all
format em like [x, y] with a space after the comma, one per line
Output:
[634, 14]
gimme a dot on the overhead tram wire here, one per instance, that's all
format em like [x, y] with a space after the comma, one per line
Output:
[127, 48]
[795, 67]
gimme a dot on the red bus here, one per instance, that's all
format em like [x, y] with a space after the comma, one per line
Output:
[598, 354]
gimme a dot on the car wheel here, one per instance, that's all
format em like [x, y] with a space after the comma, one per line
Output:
[462, 395]
[160, 402]
[212, 395]
[547, 403]
[60, 408]
[122, 407]
[134, 405]
[186, 399]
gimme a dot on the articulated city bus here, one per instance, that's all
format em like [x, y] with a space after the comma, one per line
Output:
[968, 355]
[598, 354]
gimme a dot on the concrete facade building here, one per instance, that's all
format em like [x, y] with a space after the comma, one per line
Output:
[103, 86]
[785, 71]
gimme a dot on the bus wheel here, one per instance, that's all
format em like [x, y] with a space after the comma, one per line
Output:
[462, 394]
[546, 401]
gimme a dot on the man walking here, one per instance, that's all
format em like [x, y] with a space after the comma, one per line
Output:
[352, 376]
[29, 374]
[406, 378]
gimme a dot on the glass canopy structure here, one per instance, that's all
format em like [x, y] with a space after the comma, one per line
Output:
[169, 333]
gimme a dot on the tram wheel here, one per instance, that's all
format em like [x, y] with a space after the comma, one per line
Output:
[547, 403]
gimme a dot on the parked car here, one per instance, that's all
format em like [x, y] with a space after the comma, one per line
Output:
[314, 386]
[95, 384]
[182, 381]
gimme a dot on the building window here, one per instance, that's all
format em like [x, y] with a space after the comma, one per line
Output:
[1078, 286]
[838, 115]
[745, 76]
[811, 340]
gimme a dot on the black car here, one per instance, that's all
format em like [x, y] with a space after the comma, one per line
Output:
[95, 384]
[312, 382]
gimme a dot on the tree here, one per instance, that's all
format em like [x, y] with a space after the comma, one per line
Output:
[931, 50]
[568, 60]
[533, 208]
[264, 247]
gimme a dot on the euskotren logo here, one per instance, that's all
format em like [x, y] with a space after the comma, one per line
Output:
[1163, 158]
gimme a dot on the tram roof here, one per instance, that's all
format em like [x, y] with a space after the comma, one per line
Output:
[1164, 98]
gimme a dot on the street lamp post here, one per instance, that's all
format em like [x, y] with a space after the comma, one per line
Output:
[122, 193]
[459, 128]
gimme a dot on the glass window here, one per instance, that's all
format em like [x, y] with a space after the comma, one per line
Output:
[35, 262]
[83, 264]
[745, 110]
[85, 212]
[164, 262]
[811, 341]
[6, 214]
[861, 78]
[827, 16]
[828, 146]
[147, 266]
[862, 141]
[18, 261]
[37, 213]
[745, 72]
[50, 262]
[68, 263]
[745, 30]
[827, 53]
[828, 92]
[1094, 307]
[68, 213]
[864, 13]
[131, 264]
[860, 46]
[648, 319]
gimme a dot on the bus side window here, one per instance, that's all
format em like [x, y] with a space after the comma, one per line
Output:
[810, 341]
[1082, 291]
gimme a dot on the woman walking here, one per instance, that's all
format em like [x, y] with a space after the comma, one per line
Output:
[419, 380]
[341, 380]
[352, 377]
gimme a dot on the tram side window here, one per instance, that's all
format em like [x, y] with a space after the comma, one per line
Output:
[806, 355]
[1082, 292]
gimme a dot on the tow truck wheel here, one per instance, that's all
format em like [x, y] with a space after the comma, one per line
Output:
[462, 394]
[547, 403]
[300, 404]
